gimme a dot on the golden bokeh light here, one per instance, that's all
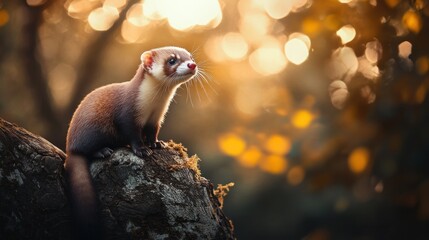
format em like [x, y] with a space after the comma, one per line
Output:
[302, 118]
[358, 160]
[392, 3]
[79, 9]
[60, 80]
[412, 21]
[152, 9]
[235, 46]
[185, 14]
[421, 93]
[4, 17]
[251, 98]
[115, 3]
[422, 65]
[254, 27]
[213, 49]
[268, 59]
[296, 175]
[373, 51]
[339, 93]
[300, 4]
[296, 50]
[344, 64]
[311, 26]
[405, 49]
[101, 19]
[273, 164]
[35, 3]
[368, 69]
[131, 33]
[277, 9]
[347, 33]
[250, 157]
[136, 17]
[231, 144]
[278, 144]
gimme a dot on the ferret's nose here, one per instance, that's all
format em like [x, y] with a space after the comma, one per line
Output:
[192, 66]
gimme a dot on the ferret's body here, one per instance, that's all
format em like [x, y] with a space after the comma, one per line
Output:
[127, 113]
[119, 115]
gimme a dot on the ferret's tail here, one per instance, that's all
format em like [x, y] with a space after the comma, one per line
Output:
[83, 199]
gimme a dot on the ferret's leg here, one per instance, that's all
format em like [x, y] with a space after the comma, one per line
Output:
[130, 133]
[91, 142]
[151, 134]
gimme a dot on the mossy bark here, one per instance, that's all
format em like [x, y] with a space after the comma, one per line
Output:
[158, 197]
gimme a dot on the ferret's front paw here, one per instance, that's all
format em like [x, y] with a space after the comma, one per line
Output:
[142, 151]
[157, 145]
[103, 153]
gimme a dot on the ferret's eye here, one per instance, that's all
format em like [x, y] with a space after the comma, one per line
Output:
[172, 61]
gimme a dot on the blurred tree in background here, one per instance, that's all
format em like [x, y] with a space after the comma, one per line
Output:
[317, 110]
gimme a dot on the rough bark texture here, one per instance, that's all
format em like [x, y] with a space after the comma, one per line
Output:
[159, 197]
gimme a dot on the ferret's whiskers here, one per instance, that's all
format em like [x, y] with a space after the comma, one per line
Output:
[189, 95]
[198, 92]
[200, 81]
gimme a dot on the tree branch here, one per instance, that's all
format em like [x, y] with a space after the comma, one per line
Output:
[33, 69]
[159, 197]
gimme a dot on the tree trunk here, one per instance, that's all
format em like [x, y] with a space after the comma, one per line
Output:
[162, 196]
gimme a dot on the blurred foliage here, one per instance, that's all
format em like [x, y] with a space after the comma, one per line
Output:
[317, 110]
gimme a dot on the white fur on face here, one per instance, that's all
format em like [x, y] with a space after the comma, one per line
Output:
[157, 71]
[183, 68]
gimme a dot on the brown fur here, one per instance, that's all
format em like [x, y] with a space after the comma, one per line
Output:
[119, 115]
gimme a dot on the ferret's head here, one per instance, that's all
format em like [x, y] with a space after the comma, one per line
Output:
[172, 65]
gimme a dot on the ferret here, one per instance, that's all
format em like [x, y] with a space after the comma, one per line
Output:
[119, 115]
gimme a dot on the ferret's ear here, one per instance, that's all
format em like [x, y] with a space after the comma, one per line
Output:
[147, 59]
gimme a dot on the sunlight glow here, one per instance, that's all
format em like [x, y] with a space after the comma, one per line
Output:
[268, 59]
[152, 9]
[278, 9]
[115, 3]
[136, 17]
[131, 33]
[358, 160]
[235, 46]
[101, 19]
[79, 9]
[250, 98]
[231, 144]
[185, 14]
[346, 33]
[254, 26]
[213, 49]
[296, 51]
